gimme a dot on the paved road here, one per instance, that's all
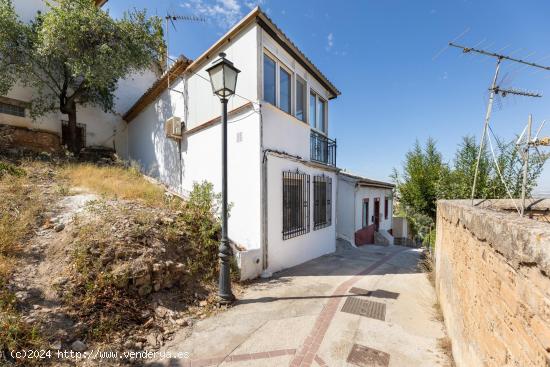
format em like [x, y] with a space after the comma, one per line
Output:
[358, 307]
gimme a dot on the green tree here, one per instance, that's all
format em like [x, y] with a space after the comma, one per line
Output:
[417, 187]
[74, 54]
[457, 182]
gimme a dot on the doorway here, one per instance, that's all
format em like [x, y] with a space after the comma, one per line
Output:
[376, 213]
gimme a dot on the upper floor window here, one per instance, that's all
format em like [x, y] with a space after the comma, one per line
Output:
[285, 90]
[301, 96]
[269, 80]
[317, 112]
[11, 109]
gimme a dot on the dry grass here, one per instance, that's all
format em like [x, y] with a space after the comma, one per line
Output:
[20, 207]
[21, 203]
[115, 182]
[446, 347]
[427, 265]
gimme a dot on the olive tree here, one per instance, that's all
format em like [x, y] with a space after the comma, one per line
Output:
[74, 54]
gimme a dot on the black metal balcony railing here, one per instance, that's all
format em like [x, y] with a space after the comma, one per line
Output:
[323, 149]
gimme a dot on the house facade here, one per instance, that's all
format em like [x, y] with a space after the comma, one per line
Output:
[96, 128]
[282, 164]
[364, 210]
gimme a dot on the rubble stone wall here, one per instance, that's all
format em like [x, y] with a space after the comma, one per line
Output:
[493, 285]
[14, 137]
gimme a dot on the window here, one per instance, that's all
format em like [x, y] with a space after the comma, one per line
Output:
[312, 110]
[11, 109]
[269, 80]
[386, 207]
[301, 95]
[365, 213]
[295, 204]
[317, 112]
[321, 115]
[285, 90]
[322, 204]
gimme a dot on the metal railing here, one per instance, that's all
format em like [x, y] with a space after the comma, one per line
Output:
[323, 149]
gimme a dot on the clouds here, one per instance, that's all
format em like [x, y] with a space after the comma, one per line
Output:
[330, 41]
[223, 13]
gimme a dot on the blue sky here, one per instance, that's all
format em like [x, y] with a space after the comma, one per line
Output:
[385, 58]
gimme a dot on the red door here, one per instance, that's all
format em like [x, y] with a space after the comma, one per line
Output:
[376, 213]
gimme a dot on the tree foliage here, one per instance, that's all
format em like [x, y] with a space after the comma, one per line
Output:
[425, 178]
[74, 54]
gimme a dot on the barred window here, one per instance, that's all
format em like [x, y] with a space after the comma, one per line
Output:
[322, 202]
[11, 109]
[295, 204]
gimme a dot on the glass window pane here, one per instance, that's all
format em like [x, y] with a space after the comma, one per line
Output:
[300, 99]
[321, 115]
[312, 110]
[269, 80]
[285, 91]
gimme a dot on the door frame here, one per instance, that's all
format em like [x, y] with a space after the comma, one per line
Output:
[376, 213]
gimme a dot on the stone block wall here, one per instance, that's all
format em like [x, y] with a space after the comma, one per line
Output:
[14, 137]
[493, 285]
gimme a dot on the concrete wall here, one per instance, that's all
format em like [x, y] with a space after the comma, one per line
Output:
[293, 251]
[400, 227]
[492, 280]
[345, 209]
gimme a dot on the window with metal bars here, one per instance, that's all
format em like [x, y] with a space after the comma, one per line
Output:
[11, 109]
[322, 202]
[295, 204]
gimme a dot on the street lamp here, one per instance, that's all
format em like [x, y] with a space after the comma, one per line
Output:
[223, 77]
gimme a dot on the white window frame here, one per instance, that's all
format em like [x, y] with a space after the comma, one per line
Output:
[291, 81]
[318, 98]
[278, 65]
[297, 78]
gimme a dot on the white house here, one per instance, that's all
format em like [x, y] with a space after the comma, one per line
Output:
[96, 127]
[364, 210]
[282, 164]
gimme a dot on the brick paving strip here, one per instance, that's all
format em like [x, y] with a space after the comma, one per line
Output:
[308, 352]
[238, 358]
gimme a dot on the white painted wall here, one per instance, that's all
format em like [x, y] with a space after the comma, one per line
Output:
[100, 126]
[102, 129]
[371, 193]
[200, 159]
[345, 209]
[285, 133]
[201, 104]
[286, 253]
[27, 9]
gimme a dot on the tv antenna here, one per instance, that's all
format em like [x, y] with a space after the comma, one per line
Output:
[493, 91]
[172, 19]
[525, 143]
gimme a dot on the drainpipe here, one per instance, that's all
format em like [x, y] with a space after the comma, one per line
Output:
[264, 207]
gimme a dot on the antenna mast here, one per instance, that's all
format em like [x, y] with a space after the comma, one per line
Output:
[172, 18]
[494, 90]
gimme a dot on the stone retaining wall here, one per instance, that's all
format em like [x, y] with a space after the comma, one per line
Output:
[492, 280]
[15, 137]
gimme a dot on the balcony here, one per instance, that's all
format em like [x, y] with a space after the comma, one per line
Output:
[322, 149]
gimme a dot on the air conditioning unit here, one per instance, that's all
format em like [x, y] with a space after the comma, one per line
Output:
[173, 127]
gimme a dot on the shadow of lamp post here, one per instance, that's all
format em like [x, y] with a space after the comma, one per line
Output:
[223, 77]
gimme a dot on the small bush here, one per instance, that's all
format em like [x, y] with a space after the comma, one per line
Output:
[10, 169]
[200, 220]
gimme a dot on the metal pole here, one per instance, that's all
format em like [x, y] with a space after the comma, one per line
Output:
[526, 164]
[225, 254]
[485, 126]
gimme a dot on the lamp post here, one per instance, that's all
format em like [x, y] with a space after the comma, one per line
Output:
[223, 77]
